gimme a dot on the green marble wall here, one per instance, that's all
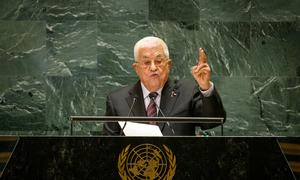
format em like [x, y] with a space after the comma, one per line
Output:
[62, 57]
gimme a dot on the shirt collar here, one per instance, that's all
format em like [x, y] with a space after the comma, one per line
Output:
[146, 92]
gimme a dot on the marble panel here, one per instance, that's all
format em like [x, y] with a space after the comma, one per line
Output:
[194, 10]
[64, 10]
[275, 48]
[279, 105]
[50, 10]
[129, 10]
[174, 10]
[275, 10]
[242, 107]
[22, 10]
[22, 48]
[71, 48]
[67, 96]
[22, 104]
[220, 10]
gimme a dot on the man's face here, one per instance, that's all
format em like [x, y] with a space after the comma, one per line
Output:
[152, 67]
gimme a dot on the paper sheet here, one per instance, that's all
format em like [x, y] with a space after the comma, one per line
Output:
[140, 129]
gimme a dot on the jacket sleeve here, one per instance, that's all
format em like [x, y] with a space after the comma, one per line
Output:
[110, 128]
[208, 107]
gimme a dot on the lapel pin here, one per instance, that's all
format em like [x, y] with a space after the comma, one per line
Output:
[173, 93]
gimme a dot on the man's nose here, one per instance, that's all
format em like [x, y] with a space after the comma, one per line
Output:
[153, 67]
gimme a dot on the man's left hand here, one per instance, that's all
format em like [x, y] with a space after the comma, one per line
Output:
[201, 71]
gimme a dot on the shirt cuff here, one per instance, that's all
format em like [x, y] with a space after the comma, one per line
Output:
[208, 92]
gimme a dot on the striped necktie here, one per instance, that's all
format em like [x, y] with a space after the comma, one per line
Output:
[151, 109]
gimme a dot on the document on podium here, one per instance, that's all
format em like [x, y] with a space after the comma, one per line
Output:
[139, 129]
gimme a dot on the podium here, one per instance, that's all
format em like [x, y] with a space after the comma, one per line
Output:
[147, 158]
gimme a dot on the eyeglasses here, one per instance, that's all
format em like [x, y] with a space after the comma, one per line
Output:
[158, 62]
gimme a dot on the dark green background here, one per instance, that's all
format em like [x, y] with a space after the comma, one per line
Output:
[62, 57]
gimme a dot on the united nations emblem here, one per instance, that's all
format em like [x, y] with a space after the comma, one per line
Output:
[146, 161]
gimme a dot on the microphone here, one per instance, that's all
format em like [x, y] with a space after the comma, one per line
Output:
[131, 107]
[159, 110]
[130, 110]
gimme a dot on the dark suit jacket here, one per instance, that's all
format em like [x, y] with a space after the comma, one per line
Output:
[178, 99]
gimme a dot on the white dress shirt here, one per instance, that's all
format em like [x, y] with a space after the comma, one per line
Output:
[146, 93]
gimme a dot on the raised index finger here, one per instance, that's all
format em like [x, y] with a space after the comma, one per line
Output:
[202, 56]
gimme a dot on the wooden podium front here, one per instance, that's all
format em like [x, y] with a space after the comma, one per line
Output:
[147, 158]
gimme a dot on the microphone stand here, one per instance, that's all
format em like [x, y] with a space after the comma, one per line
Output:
[159, 110]
[130, 110]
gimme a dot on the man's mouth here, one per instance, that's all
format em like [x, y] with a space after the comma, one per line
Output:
[154, 75]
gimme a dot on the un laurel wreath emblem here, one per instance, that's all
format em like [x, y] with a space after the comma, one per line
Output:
[146, 161]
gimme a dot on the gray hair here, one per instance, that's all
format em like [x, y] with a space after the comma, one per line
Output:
[150, 41]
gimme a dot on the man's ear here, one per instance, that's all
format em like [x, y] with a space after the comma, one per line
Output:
[134, 66]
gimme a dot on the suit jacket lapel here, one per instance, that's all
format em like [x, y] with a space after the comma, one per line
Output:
[139, 106]
[169, 96]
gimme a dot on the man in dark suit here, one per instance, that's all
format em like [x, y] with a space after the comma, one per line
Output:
[155, 95]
